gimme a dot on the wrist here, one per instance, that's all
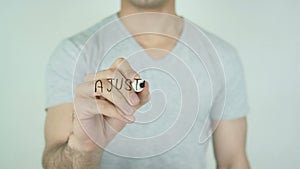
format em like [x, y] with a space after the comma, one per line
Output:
[79, 140]
[82, 145]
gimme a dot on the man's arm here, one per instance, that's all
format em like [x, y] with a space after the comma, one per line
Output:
[229, 140]
[102, 114]
[64, 150]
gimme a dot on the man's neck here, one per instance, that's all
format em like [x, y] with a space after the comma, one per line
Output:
[129, 9]
[156, 28]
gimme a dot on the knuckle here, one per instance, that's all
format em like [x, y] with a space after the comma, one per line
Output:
[110, 72]
[119, 62]
[98, 75]
[132, 74]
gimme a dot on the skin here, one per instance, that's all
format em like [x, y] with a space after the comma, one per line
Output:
[148, 4]
[229, 141]
[68, 146]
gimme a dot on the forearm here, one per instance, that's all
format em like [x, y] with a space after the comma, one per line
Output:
[65, 157]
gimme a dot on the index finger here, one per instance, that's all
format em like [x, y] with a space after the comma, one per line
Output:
[124, 67]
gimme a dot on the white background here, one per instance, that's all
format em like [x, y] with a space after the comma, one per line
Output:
[266, 33]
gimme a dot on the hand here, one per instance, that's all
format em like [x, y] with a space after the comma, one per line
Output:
[102, 114]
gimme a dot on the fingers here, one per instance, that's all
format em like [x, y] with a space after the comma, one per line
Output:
[120, 64]
[126, 70]
[86, 90]
[109, 110]
[101, 86]
[118, 99]
[119, 102]
[104, 74]
[124, 67]
[100, 106]
[116, 78]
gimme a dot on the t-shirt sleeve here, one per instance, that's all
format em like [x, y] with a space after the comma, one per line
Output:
[234, 104]
[59, 74]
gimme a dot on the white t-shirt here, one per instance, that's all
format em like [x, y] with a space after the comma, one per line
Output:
[199, 80]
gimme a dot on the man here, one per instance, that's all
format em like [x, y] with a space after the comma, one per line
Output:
[81, 131]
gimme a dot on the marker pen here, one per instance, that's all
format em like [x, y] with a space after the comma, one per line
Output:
[138, 85]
